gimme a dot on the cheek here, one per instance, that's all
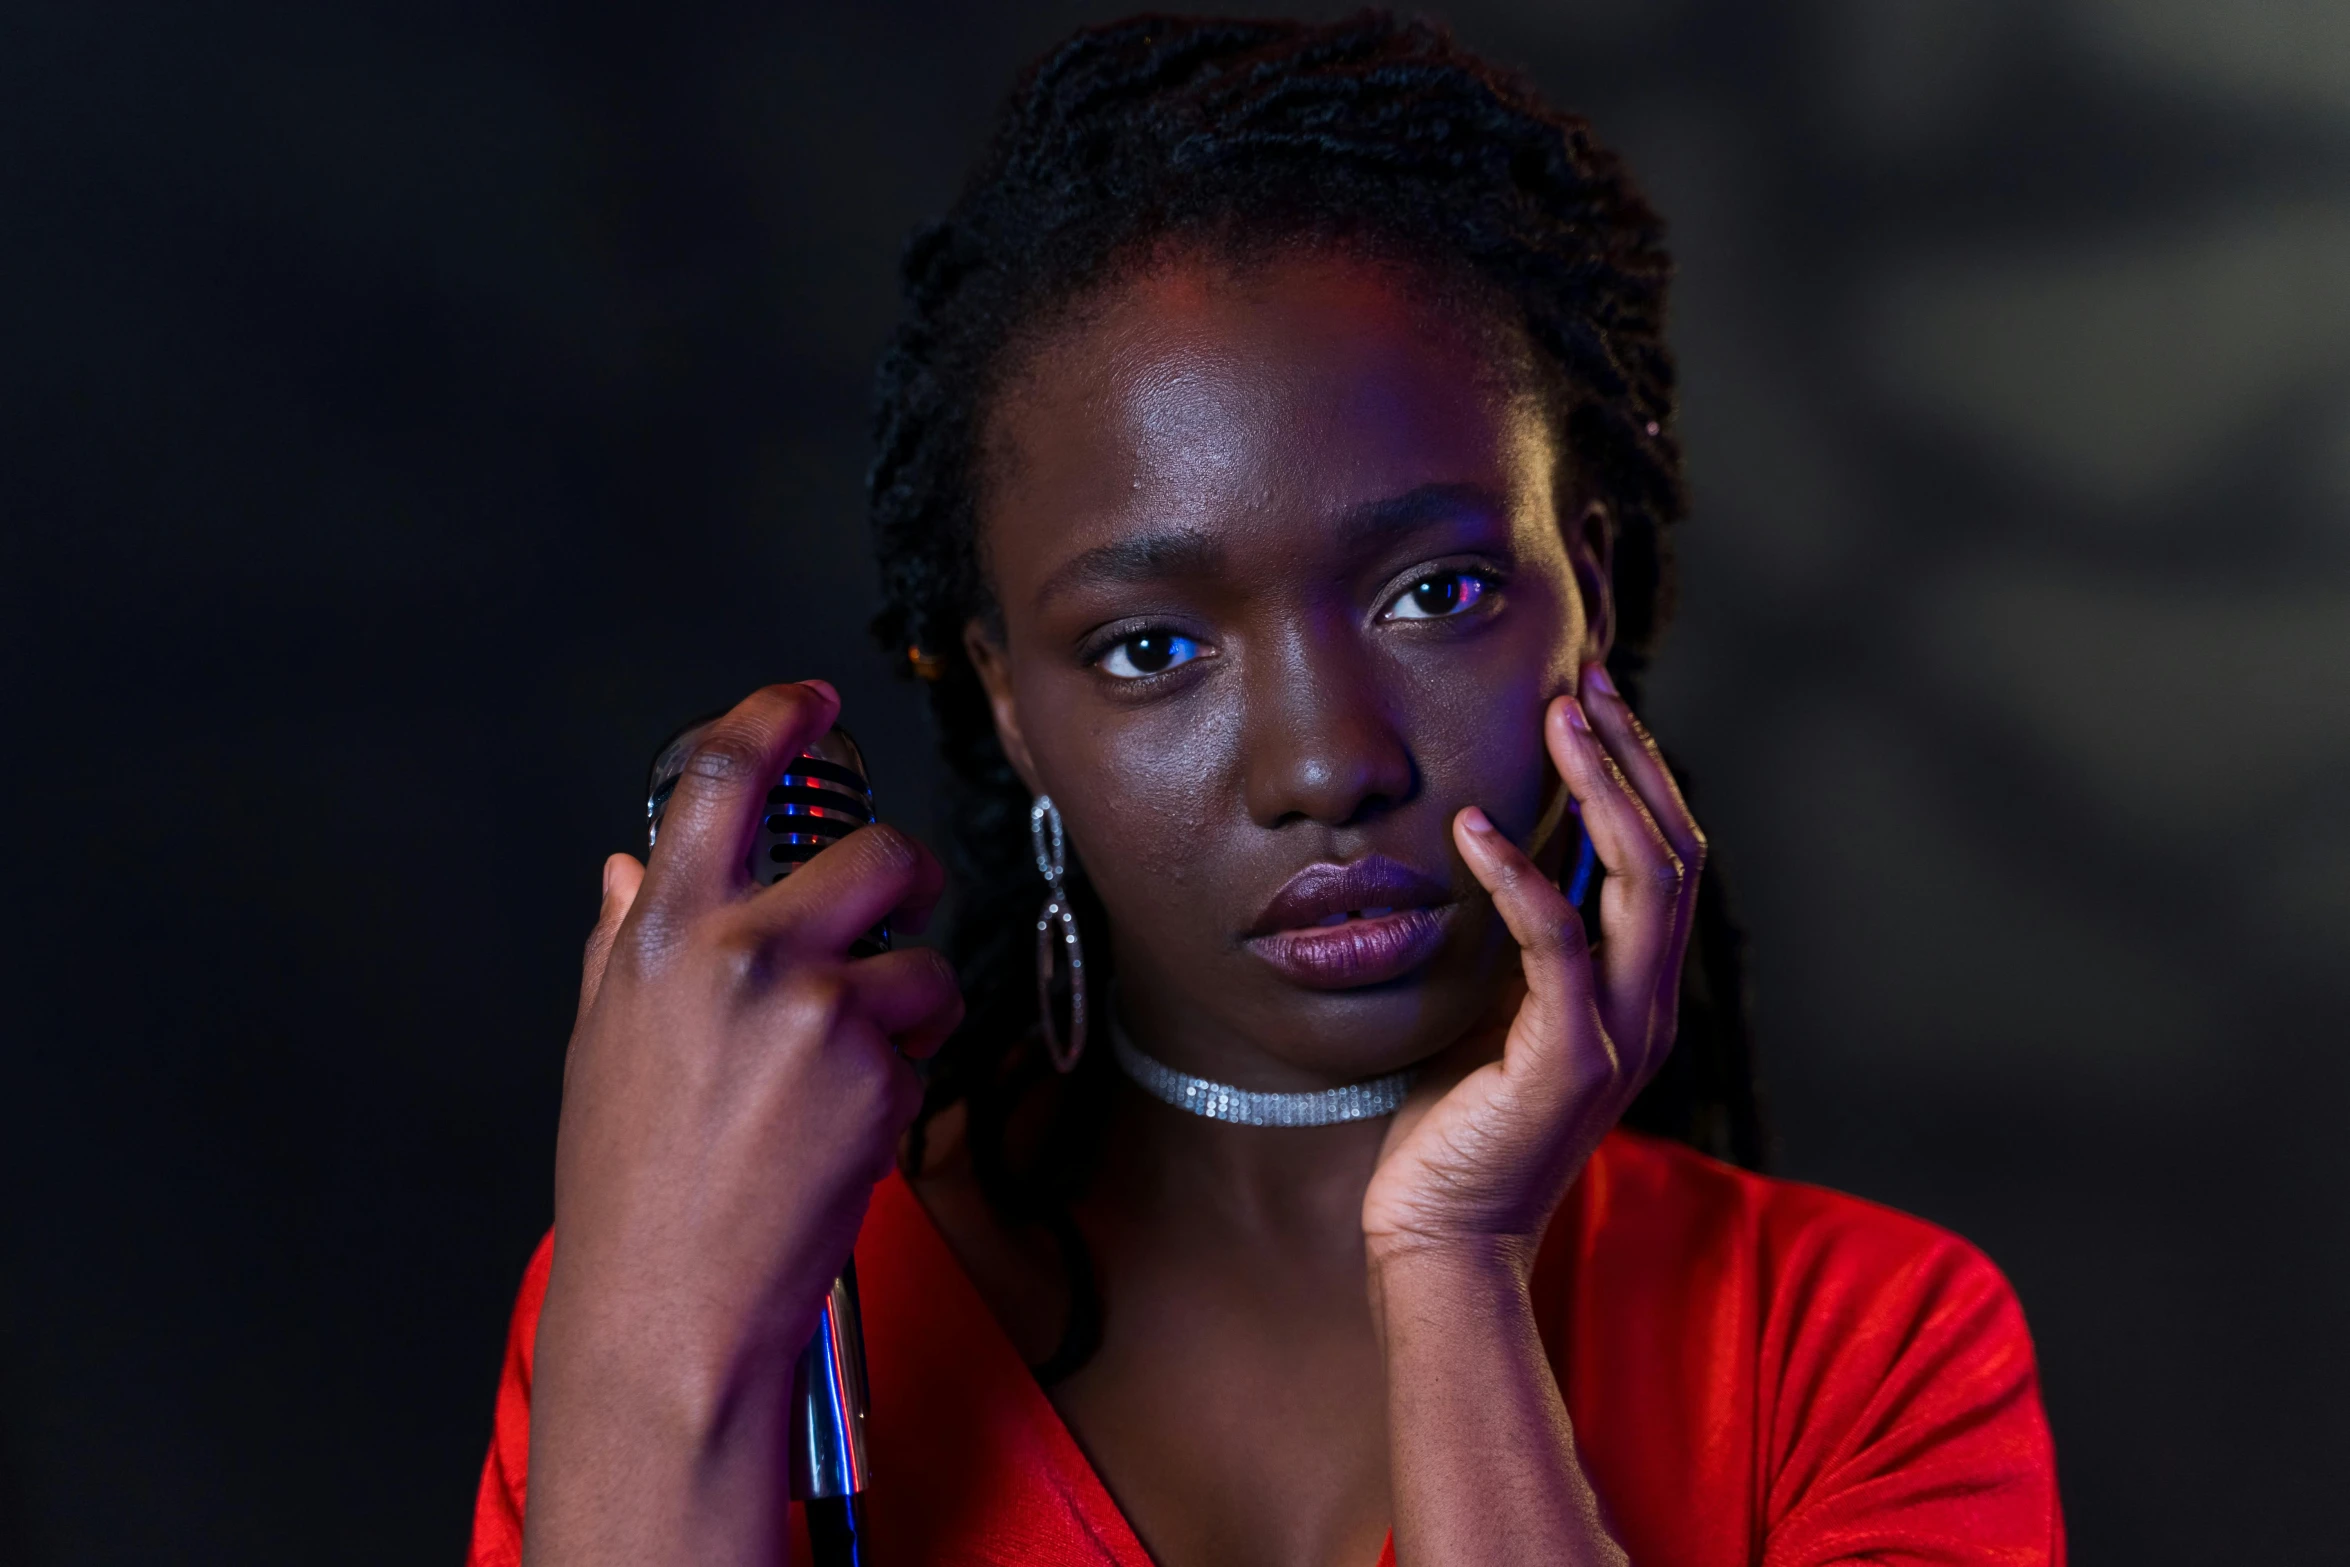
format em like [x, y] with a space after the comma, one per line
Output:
[1478, 721]
[1488, 752]
[1145, 788]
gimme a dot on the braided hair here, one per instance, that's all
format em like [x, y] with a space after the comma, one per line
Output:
[1242, 137]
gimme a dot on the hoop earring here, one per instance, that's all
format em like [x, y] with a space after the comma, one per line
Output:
[1052, 863]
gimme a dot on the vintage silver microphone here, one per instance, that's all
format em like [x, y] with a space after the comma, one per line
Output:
[821, 796]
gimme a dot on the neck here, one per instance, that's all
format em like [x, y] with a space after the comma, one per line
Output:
[1166, 1167]
[1285, 1183]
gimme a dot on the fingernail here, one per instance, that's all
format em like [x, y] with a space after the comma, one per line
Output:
[1576, 717]
[1596, 678]
[1476, 821]
[825, 687]
[607, 876]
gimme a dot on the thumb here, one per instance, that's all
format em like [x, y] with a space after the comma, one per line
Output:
[623, 875]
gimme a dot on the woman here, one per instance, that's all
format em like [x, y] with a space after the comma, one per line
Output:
[1273, 467]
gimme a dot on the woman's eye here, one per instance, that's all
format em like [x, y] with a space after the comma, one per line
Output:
[1150, 653]
[1435, 596]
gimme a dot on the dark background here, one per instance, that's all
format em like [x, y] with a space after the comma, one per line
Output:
[408, 412]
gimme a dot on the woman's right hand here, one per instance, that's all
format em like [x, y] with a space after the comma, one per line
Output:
[736, 1085]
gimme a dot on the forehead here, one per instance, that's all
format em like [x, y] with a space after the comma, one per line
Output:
[1252, 400]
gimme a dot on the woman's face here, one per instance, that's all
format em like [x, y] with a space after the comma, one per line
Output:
[1287, 575]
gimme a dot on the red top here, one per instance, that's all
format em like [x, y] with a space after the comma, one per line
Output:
[1758, 1372]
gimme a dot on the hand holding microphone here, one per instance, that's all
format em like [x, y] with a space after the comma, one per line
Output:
[736, 1085]
[823, 795]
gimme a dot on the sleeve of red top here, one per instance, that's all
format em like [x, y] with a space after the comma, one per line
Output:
[497, 1506]
[1900, 1410]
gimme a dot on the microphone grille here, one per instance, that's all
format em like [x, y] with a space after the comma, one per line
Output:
[822, 796]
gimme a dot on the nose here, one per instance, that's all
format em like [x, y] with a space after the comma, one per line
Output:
[1322, 742]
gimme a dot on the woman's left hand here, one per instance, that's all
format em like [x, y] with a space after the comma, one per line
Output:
[1484, 1149]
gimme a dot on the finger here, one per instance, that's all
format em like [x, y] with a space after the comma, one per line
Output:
[824, 1006]
[1559, 1001]
[910, 995]
[1635, 750]
[1640, 900]
[875, 873]
[1643, 765]
[706, 829]
[623, 876]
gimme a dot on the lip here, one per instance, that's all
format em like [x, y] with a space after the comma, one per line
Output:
[1317, 933]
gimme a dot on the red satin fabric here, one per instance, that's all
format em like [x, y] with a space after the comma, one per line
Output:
[1758, 1373]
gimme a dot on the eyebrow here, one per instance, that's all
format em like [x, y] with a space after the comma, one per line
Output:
[1422, 505]
[1150, 558]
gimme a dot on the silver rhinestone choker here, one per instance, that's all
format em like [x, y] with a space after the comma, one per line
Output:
[1246, 1106]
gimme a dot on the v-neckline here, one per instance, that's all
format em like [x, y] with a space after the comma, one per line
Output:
[993, 1362]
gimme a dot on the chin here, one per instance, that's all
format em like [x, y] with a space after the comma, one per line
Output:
[1371, 1030]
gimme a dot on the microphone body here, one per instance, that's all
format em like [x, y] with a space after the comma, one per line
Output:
[822, 795]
